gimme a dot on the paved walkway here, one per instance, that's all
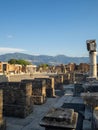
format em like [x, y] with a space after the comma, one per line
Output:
[32, 121]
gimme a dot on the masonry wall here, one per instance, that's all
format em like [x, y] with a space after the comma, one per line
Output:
[58, 81]
[15, 77]
[2, 121]
[38, 90]
[17, 99]
[66, 78]
[78, 89]
[3, 78]
[19, 77]
[50, 90]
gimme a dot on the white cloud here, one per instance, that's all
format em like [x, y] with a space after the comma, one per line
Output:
[4, 50]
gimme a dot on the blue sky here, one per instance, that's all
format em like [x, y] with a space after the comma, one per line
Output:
[48, 27]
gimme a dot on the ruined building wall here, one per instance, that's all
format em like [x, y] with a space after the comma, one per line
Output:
[58, 81]
[19, 77]
[50, 90]
[2, 121]
[15, 77]
[17, 98]
[3, 78]
[38, 90]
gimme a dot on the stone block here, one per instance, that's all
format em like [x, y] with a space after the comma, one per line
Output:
[38, 100]
[3, 125]
[58, 81]
[2, 121]
[50, 91]
[17, 110]
[78, 89]
[60, 119]
[38, 86]
[17, 98]
[87, 125]
[19, 77]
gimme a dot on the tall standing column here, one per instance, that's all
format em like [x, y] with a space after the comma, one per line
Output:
[91, 47]
[93, 64]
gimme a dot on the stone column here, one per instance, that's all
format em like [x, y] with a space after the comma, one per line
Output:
[93, 64]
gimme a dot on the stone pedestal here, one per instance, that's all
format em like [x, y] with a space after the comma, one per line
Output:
[38, 90]
[17, 99]
[38, 100]
[3, 125]
[50, 91]
[2, 121]
[60, 119]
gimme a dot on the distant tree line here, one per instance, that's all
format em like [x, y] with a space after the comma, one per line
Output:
[20, 61]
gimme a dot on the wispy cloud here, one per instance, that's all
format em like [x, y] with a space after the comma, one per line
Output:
[4, 50]
[10, 36]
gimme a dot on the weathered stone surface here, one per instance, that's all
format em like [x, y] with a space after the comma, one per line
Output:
[60, 119]
[50, 91]
[78, 89]
[87, 125]
[66, 78]
[2, 121]
[80, 109]
[3, 78]
[38, 90]
[38, 100]
[17, 98]
[15, 77]
[17, 110]
[3, 125]
[58, 81]
[95, 116]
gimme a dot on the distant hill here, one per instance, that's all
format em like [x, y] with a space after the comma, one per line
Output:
[52, 60]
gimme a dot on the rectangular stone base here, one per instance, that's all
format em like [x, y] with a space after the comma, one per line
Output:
[3, 125]
[87, 125]
[17, 110]
[60, 119]
[38, 99]
[50, 92]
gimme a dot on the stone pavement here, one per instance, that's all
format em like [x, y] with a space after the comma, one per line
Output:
[32, 121]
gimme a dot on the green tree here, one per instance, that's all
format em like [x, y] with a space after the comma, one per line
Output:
[20, 61]
[12, 61]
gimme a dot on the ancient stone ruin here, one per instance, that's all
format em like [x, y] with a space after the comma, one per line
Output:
[58, 81]
[50, 91]
[2, 121]
[60, 119]
[17, 99]
[38, 90]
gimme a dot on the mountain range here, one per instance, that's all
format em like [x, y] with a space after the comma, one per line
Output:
[40, 59]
